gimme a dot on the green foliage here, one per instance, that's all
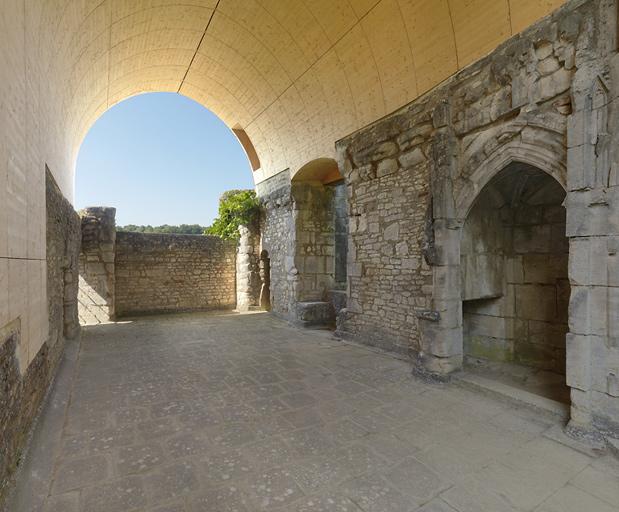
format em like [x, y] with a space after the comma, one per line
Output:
[236, 208]
[183, 229]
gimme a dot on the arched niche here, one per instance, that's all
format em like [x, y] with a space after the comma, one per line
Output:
[514, 280]
[321, 231]
[324, 170]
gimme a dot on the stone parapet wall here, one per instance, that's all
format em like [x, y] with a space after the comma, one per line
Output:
[97, 281]
[158, 273]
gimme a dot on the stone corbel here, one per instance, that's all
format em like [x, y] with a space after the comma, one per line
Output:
[429, 315]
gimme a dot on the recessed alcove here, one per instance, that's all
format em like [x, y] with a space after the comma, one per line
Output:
[515, 288]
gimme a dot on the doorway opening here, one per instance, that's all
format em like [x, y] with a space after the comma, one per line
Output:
[265, 278]
[514, 278]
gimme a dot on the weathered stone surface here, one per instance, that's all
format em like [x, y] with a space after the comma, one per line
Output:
[386, 167]
[166, 273]
[543, 99]
[361, 430]
[63, 248]
[97, 274]
[21, 392]
[315, 314]
[248, 279]
[277, 230]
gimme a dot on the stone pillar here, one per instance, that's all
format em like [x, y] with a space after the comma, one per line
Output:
[592, 204]
[248, 281]
[97, 276]
[441, 327]
[278, 241]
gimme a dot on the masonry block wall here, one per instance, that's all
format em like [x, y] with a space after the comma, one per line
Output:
[413, 176]
[23, 387]
[58, 77]
[593, 229]
[298, 235]
[64, 237]
[164, 273]
[278, 240]
[388, 192]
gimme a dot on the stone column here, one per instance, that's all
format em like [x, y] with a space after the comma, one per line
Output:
[441, 327]
[97, 276]
[248, 282]
[593, 229]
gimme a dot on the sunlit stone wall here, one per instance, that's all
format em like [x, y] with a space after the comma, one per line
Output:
[172, 273]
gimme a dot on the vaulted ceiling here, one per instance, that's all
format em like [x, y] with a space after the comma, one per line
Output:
[296, 75]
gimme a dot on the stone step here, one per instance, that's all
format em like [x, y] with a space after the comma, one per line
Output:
[513, 394]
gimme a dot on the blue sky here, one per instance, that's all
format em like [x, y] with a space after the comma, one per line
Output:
[159, 159]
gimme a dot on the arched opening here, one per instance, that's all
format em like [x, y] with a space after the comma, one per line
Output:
[265, 278]
[159, 163]
[321, 224]
[514, 281]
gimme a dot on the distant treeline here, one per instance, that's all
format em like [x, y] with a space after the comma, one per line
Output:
[236, 207]
[183, 229]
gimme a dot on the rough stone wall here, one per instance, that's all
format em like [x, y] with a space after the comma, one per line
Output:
[158, 273]
[278, 240]
[97, 281]
[386, 172]
[248, 280]
[64, 235]
[21, 391]
[409, 175]
[298, 236]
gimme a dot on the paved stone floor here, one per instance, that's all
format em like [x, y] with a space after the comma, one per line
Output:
[237, 413]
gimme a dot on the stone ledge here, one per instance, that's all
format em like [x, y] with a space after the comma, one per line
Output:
[314, 314]
[512, 394]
